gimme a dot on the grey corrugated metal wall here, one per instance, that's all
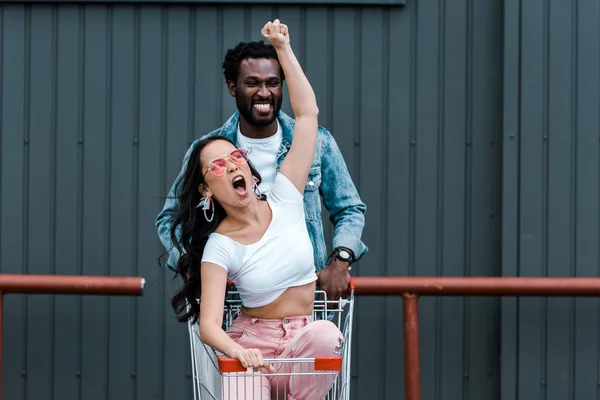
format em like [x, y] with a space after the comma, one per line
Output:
[551, 195]
[99, 104]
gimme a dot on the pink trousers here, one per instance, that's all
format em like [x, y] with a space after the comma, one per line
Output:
[294, 337]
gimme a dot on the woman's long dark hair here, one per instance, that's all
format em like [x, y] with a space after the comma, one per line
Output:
[190, 232]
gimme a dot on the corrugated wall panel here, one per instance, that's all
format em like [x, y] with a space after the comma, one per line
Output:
[551, 182]
[99, 104]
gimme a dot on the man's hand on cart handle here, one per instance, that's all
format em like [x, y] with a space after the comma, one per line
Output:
[252, 358]
[335, 279]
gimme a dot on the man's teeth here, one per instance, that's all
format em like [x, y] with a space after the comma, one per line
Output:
[237, 179]
[263, 107]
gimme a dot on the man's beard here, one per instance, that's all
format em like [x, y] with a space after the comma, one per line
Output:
[249, 116]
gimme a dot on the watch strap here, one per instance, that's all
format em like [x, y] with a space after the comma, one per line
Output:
[336, 253]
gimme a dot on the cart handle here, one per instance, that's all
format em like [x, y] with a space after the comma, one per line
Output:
[320, 363]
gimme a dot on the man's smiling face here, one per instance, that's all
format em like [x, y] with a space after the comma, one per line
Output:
[258, 90]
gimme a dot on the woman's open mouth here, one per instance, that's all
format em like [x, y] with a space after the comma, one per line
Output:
[239, 185]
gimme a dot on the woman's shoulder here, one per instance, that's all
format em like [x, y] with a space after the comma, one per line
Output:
[220, 244]
[220, 250]
[218, 238]
[223, 231]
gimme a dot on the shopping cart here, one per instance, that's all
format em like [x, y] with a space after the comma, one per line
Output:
[212, 373]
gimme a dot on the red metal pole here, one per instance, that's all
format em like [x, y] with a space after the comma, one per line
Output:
[1, 337]
[66, 284]
[477, 286]
[411, 346]
[413, 286]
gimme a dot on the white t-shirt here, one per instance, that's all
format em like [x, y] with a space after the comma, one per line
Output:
[282, 258]
[263, 155]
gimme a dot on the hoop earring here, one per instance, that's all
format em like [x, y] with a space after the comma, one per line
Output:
[207, 203]
[255, 188]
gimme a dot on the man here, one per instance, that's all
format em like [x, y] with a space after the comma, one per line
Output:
[255, 79]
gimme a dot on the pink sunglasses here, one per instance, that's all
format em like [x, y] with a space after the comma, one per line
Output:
[219, 165]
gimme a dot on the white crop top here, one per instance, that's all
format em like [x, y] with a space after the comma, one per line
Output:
[282, 258]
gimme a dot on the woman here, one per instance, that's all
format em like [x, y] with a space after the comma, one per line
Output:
[229, 231]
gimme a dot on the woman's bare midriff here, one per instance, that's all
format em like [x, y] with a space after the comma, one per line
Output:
[295, 301]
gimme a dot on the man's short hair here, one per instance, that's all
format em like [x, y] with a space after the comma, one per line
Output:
[243, 51]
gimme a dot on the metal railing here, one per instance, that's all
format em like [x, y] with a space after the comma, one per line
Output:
[64, 284]
[410, 288]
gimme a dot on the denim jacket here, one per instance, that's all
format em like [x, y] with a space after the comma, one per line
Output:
[328, 176]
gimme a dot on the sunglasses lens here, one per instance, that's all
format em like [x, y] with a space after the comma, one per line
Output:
[218, 167]
[239, 156]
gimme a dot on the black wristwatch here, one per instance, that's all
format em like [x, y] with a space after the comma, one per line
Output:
[341, 254]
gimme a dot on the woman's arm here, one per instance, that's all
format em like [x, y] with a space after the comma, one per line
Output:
[298, 161]
[214, 283]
